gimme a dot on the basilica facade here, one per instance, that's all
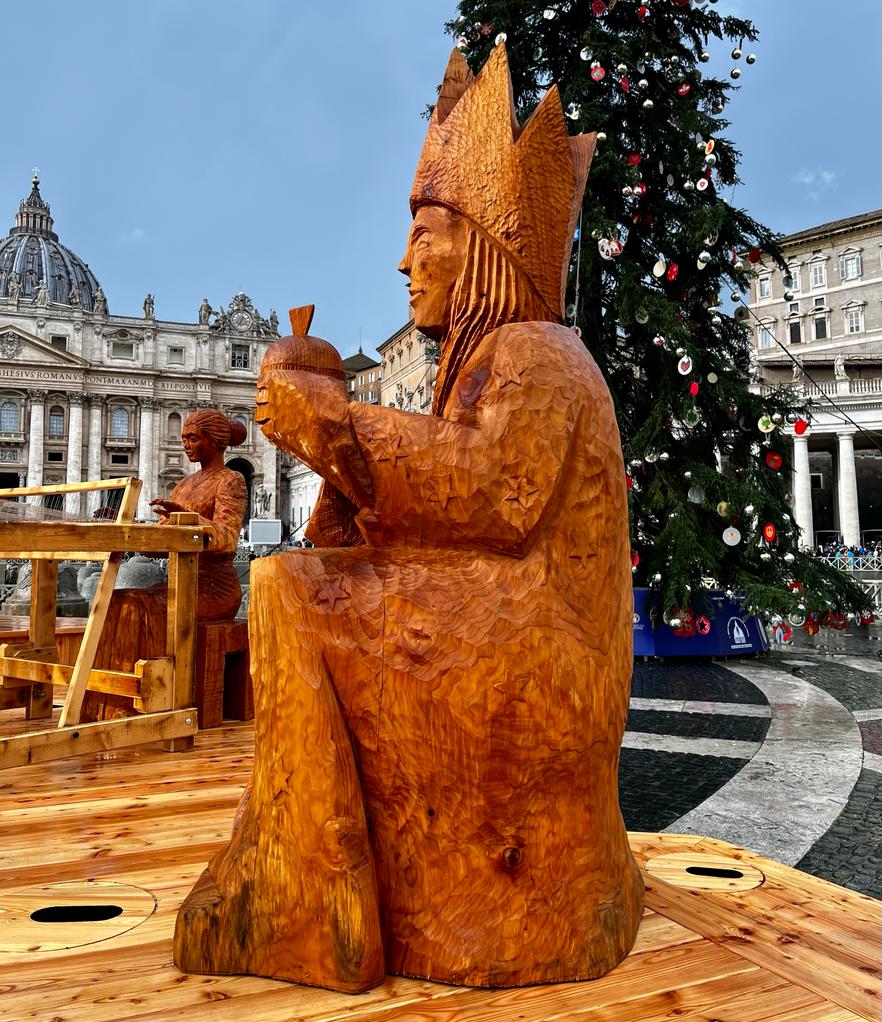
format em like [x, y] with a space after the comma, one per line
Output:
[88, 394]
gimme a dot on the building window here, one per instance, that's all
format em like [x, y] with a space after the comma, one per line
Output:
[821, 332]
[58, 341]
[119, 459]
[854, 320]
[240, 356]
[818, 275]
[173, 427]
[766, 337]
[791, 279]
[55, 456]
[764, 287]
[361, 380]
[123, 349]
[9, 417]
[850, 266]
[793, 308]
[817, 479]
[794, 331]
[175, 356]
[119, 422]
[56, 422]
[370, 377]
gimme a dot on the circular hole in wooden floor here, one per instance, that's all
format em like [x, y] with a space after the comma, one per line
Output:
[52, 917]
[704, 872]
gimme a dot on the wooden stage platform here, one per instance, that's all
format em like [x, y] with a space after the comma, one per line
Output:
[139, 825]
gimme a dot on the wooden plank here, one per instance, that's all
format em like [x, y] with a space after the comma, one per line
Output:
[86, 486]
[73, 701]
[156, 684]
[23, 540]
[14, 671]
[41, 630]
[40, 746]
[181, 627]
[808, 958]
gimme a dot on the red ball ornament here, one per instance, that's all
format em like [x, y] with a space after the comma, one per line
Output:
[754, 255]
[683, 89]
[598, 7]
[635, 558]
[774, 460]
[673, 270]
[634, 159]
[624, 84]
[598, 73]
[640, 188]
[693, 388]
[800, 426]
[642, 11]
[811, 627]
[769, 532]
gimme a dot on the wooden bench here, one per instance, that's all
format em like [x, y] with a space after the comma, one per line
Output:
[223, 678]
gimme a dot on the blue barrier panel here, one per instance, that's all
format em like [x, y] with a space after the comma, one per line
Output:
[728, 631]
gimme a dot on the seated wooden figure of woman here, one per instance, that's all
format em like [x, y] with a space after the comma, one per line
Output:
[136, 620]
[439, 706]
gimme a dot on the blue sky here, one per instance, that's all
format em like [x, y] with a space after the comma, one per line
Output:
[194, 148]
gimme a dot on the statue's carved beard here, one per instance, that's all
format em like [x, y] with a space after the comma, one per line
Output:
[490, 292]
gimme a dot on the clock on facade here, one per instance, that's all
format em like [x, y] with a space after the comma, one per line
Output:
[241, 320]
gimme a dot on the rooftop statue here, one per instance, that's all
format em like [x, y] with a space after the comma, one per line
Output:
[441, 686]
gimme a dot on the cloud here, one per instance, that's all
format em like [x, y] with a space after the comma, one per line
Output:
[816, 181]
[132, 237]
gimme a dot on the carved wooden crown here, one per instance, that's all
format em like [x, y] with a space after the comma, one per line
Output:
[522, 185]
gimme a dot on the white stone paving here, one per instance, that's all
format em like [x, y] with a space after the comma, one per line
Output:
[859, 664]
[873, 762]
[799, 779]
[717, 747]
[867, 714]
[700, 706]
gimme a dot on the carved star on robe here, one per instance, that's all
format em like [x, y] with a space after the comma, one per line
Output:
[440, 490]
[331, 591]
[522, 491]
[388, 449]
[507, 376]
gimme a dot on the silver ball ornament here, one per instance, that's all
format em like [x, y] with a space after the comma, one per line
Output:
[657, 577]
[789, 558]
[643, 84]
[648, 104]
[704, 57]
[750, 58]
[687, 474]
[585, 53]
[788, 296]
[501, 38]
[765, 556]
[749, 509]
[601, 136]
[688, 186]
[627, 190]
[736, 54]
[663, 456]
[704, 257]
[735, 72]
[621, 68]
[675, 622]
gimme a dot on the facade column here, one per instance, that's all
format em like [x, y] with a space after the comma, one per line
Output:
[146, 447]
[74, 449]
[849, 518]
[268, 464]
[802, 493]
[36, 400]
[93, 467]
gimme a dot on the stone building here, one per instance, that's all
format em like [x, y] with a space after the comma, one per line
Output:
[819, 328]
[362, 377]
[89, 394]
[409, 366]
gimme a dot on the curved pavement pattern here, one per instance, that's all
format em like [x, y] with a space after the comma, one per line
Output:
[798, 779]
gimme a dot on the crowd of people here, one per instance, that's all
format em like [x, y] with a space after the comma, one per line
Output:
[839, 552]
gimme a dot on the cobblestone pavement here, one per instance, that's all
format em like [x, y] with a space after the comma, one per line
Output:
[780, 753]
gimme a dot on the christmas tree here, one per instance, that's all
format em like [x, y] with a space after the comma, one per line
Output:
[658, 259]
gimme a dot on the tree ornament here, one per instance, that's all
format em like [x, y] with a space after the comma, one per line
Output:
[657, 577]
[750, 58]
[672, 272]
[774, 460]
[683, 89]
[693, 389]
[731, 536]
[769, 532]
[663, 456]
[688, 186]
[777, 418]
[648, 104]
[691, 418]
[597, 72]
[789, 558]
[704, 257]
[609, 248]
[788, 296]
[749, 509]
[640, 188]
[711, 159]
[765, 556]
[585, 53]
[634, 158]
[799, 427]
[695, 494]
[687, 474]
[658, 340]
[765, 424]
[642, 316]
[736, 54]
[735, 72]
[601, 136]
[643, 84]
[598, 7]
[627, 190]
[550, 13]
[722, 509]
[621, 68]
[704, 57]
[573, 111]
[500, 38]
[702, 184]
[658, 270]
[462, 43]
[712, 377]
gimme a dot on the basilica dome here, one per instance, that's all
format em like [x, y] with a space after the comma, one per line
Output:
[32, 253]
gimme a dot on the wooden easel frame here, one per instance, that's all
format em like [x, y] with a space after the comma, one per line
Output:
[162, 688]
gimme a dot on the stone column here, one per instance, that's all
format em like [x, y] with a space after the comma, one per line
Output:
[268, 464]
[849, 519]
[146, 467]
[36, 399]
[93, 466]
[74, 449]
[802, 493]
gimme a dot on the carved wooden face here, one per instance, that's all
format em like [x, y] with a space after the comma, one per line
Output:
[197, 446]
[433, 260]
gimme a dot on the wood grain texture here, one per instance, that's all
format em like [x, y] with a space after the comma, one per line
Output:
[441, 688]
[147, 820]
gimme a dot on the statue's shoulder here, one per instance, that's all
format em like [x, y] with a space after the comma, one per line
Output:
[542, 344]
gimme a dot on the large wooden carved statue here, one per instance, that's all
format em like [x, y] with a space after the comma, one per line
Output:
[136, 622]
[440, 705]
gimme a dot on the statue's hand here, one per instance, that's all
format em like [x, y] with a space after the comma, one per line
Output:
[166, 507]
[291, 404]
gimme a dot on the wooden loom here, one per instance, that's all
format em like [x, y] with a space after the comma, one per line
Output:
[161, 689]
